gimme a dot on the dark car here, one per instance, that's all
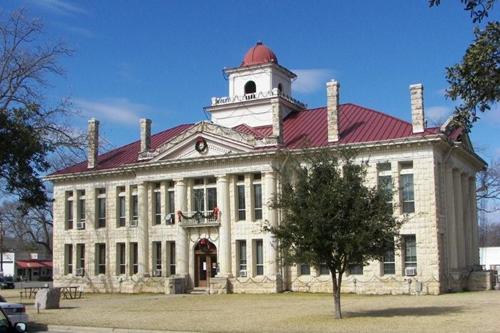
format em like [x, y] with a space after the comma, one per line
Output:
[7, 283]
[7, 327]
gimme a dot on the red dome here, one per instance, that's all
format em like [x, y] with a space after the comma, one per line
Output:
[259, 54]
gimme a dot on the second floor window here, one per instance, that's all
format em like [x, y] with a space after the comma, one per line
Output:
[135, 208]
[204, 195]
[157, 206]
[121, 207]
[101, 208]
[257, 197]
[240, 192]
[384, 181]
[69, 210]
[81, 205]
[407, 191]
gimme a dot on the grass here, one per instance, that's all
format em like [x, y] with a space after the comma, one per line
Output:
[287, 312]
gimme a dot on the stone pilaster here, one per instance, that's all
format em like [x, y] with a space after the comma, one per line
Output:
[459, 217]
[332, 94]
[93, 142]
[417, 107]
[142, 228]
[270, 246]
[224, 252]
[181, 241]
[450, 221]
[474, 222]
[466, 220]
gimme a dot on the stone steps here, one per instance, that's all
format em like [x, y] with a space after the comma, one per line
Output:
[199, 291]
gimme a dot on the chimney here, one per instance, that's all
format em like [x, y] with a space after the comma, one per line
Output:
[332, 94]
[277, 120]
[93, 147]
[145, 135]
[417, 107]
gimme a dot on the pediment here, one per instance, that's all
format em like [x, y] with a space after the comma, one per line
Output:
[219, 140]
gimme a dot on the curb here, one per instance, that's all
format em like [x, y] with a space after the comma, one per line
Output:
[64, 328]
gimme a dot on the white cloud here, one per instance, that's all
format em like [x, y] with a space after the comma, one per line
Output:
[310, 80]
[119, 110]
[437, 115]
[60, 6]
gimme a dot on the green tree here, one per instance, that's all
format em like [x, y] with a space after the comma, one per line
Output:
[475, 81]
[31, 128]
[330, 217]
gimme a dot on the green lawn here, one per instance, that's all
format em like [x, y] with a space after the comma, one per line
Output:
[288, 312]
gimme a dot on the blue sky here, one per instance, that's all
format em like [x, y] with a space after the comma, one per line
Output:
[164, 59]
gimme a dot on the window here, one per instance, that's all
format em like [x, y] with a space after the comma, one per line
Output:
[121, 207]
[356, 269]
[257, 196]
[69, 210]
[204, 195]
[305, 269]
[120, 258]
[406, 183]
[157, 259]
[135, 208]
[100, 258]
[68, 258]
[171, 203]
[134, 258]
[81, 206]
[259, 257]
[410, 251]
[242, 257]
[384, 181]
[389, 261]
[280, 88]
[250, 87]
[171, 255]
[324, 270]
[240, 191]
[80, 259]
[101, 208]
[157, 204]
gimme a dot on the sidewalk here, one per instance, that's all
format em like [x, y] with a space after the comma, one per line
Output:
[81, 329]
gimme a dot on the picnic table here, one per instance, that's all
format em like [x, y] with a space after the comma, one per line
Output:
[30, 292]
[71, 292]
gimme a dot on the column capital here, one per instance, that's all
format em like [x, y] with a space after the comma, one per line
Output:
[222, 177]
[179, 181]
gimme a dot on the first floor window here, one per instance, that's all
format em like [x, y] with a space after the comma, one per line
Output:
[157, 258]
[259, 257]
[80, 258]
[305, 269]
[324, 270]
[356, 269]
[134, 258]
[68, 258]
[410, 250]
[120, 258]
[242, 256]
[171, 247]
[101, 258]
[389, 261]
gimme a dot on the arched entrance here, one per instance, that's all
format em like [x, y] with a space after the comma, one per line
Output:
[205, 262]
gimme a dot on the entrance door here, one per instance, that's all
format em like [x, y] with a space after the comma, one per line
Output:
[205, 263]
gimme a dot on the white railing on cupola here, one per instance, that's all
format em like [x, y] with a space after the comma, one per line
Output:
[255, 96]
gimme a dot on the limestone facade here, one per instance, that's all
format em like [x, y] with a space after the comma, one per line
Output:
[190, 213]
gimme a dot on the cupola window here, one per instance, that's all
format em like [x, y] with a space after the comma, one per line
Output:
[250, 88]
[280, 88]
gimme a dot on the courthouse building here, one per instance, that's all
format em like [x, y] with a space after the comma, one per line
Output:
[184, 209]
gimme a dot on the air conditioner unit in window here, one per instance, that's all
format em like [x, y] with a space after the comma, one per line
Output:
[134, 223]
[80, 272]
[411, 271]
[80, 225]
[157, 272]
[243, 273]
[170, 218]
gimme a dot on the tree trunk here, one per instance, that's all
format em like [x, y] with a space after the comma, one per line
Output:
[336, 295]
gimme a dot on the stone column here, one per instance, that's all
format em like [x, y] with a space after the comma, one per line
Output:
[459, 217]
[181, 241]
[142, 228]
[474, 222]
[466, 219]
[270, 247]
[224, 251]
[451, 234]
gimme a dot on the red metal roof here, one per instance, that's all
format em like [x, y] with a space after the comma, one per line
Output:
[34, 263]
[259, 54]
[302, 129]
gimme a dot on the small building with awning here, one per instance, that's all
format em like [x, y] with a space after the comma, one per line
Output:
[34, 269]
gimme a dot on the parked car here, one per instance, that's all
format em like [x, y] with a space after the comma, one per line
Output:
[6, 326]
[15, 312]
[7, 282]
